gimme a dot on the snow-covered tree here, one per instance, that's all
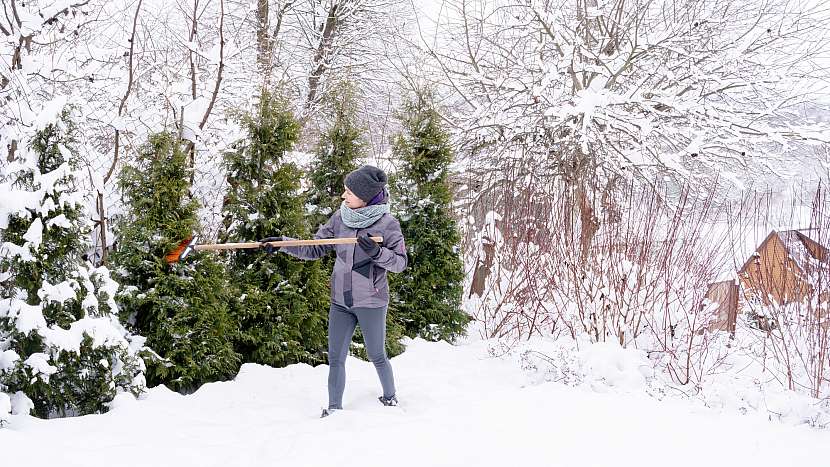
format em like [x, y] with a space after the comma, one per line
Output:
[63, 350]
[319, 43]
[282, 302]
[182, 308]
[427, 295]
[587, 92]
[32, 32]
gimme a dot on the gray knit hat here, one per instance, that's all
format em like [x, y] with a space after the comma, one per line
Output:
[366, 182]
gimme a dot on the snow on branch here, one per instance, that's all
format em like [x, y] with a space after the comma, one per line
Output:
[639, 87]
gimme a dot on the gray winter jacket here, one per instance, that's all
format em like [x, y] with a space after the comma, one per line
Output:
[357, 280]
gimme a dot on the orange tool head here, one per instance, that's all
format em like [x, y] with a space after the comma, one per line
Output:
[181, 251]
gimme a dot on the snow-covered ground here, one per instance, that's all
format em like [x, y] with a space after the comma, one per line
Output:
[460, 406]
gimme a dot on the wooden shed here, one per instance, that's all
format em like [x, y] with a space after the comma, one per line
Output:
[785, 268]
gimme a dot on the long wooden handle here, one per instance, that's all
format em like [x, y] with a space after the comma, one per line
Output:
[319, 241]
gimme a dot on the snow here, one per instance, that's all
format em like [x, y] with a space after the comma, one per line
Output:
[34, 235]
[103, 331]
[90, 302]
[108, 286]
[545, 404]
[57, 293]
[27, 317]
[49, 180]
[21, 404]
[615, 368]
[20, 202]
[460, 406]
[50, 113]
[39, 363]
[5, 408]
[59, 221]
[7, 359]
[14, 202]
[55, 8]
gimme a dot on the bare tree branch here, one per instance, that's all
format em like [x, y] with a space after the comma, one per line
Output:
[221, 64]
[102, 215]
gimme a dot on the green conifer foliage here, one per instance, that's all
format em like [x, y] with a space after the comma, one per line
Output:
[182, 308]
[63, 350]
[282, 306]
[427, 295]
[338, 150]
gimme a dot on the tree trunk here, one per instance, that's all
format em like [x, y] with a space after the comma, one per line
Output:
[327, 31]
[587, 220]
[263, 41]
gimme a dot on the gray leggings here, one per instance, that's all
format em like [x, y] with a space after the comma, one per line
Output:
[342, 322]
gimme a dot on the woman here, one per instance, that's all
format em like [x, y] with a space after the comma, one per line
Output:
[359, 289]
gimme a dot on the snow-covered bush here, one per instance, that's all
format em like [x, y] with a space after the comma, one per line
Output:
[742, 384]
[602, 367]
[642, 287]
[646, 270]
[63, 350]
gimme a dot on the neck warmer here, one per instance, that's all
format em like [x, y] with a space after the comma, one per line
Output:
[361, 218]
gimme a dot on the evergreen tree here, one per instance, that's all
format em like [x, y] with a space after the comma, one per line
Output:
[282, 310]
[63, 350]
[427, 295]
[182, 308]
[339, 149]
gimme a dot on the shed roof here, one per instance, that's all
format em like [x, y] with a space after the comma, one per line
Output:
[796, 244]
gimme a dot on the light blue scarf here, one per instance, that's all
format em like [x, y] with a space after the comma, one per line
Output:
[361, 218]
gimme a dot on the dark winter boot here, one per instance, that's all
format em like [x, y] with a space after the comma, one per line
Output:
[327, 412]
[391, 402]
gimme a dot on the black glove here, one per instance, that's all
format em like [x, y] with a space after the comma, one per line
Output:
[368, 245]
[270, 249]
